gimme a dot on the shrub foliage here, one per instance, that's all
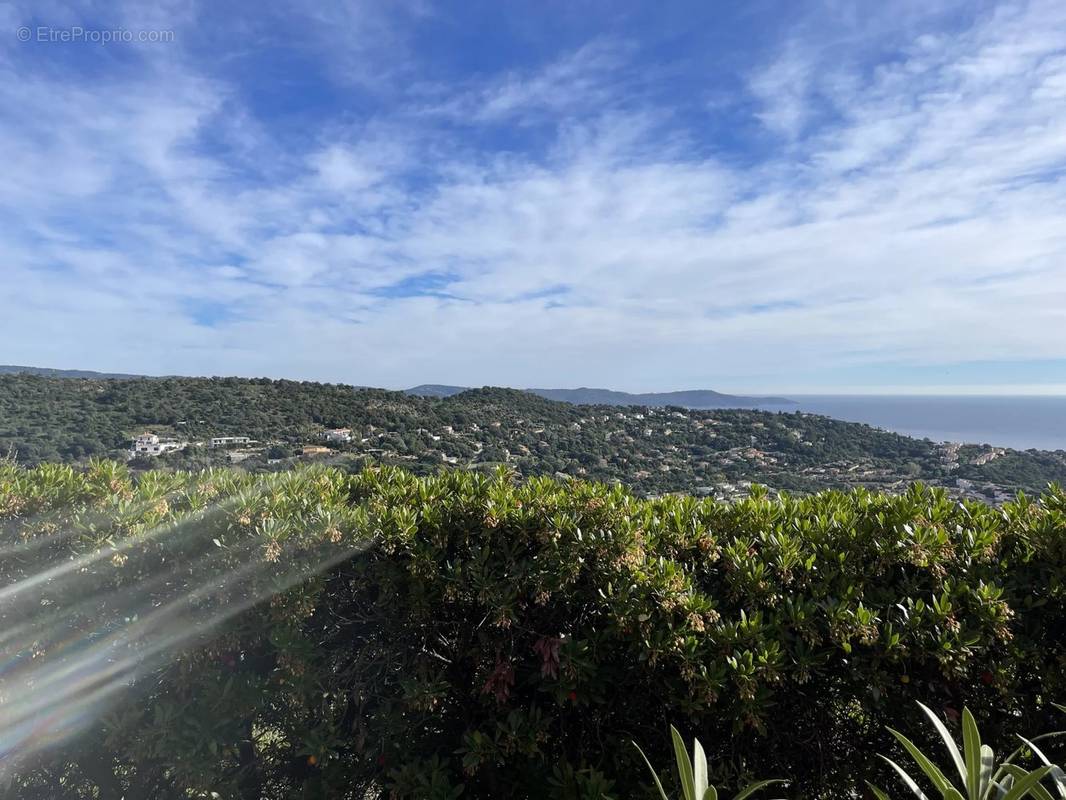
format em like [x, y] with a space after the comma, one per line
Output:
[493, 638]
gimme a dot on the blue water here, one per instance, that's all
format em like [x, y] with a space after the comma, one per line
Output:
[1018, 422]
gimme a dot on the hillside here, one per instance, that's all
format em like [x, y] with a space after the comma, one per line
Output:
[651, 450]
[435, 390]
[490, 638]
[696, 398]
[14, 369]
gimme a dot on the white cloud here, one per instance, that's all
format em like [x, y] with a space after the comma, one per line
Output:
[784, 90]
[915, 216]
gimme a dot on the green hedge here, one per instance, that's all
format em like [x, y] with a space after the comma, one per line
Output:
[469, 633]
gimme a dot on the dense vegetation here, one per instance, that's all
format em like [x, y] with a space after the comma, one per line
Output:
[508, 638]
[652, 451]
[697, 398]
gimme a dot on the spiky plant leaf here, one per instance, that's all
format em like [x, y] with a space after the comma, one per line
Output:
[1036, 750]
[907, 779]
[1040, 793]
[654, 775]
[684, 765]
[751, 788]
[1015, 773]
[971, 746]
[949, 742]
[988, 760]
[1022, 786]
[700, 785]
[1058, 777]
[928, 767]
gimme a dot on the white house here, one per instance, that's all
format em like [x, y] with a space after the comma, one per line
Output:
[337, 434]
[226, 441]
[149, 444]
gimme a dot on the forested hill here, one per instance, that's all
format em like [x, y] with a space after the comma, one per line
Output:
[15, 369]
[694, 398]
[652, 450]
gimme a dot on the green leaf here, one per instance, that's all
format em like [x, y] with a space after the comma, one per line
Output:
[700, 784]
[1018, 751]
[658, 783]
[684, 765]
[907, 779]
[1023, 786]
[1036, 751]
[710, 794]
[949, 742]
[928, 767]
[1058, 777]
[880, 794]
[751, 788]
[1038, 791]
[971, 745]
[988, 760]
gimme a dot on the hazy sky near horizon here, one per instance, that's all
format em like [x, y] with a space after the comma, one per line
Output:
[758, 196]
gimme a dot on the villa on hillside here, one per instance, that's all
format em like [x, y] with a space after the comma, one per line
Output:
[337, 434]
[149, 444]
[226, 441]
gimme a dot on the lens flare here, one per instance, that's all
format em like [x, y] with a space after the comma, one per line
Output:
[80, 631]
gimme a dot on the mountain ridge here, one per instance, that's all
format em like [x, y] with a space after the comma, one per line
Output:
[49, 372]
[697, 399]
[584, 395]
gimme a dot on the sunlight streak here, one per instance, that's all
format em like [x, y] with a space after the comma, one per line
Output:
[80, 632]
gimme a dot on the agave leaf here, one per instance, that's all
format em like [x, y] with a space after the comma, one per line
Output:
[684, 765]
[928, 767]
[710, 794]
[1059, 777]
[1038, 791]
[699, 776]
[1002, 787]
[949, 742]
[907, 779]
[879, 793]
[1018, 750]
[1036, 750]
[971, 745]
[1014, 771]
[1023, 786]
[988, 760]
[658, 783]
[751, 788]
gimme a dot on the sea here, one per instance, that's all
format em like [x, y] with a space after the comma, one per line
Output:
[1019, 422]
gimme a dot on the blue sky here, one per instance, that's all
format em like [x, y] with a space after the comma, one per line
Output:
[759, 196]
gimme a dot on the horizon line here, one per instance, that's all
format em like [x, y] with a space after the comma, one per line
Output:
[931, 390]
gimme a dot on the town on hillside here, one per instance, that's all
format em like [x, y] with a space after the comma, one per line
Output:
[519, 441]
